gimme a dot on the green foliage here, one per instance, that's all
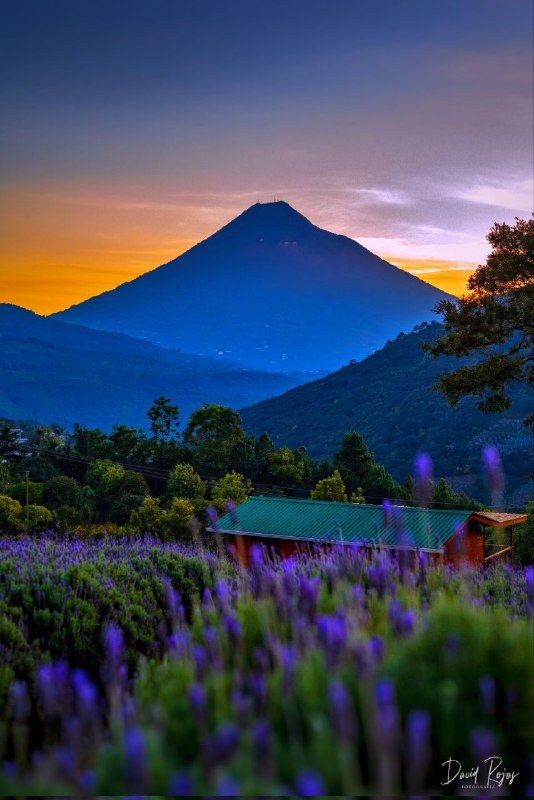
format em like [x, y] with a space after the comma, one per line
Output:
[445, 497]
[176, 521]
[354, 460]
[441, 668]
[5, 479]
[116, 491]
[331, 488]
[62, 491]
[128, 445]
[59, 610]
[10, 515]
[173, 523]
[378, 483]
[163, 416]
[183, 481]
[524, 539]
[494, 320]
[232, 486]
[147, 517]
[212, 433]
[39, 519]
[387, 398]
[284, 467]
[18, 492]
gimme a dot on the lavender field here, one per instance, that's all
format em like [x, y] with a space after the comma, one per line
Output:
[129, 666]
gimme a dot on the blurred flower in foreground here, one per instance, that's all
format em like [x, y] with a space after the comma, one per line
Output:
[424, 480]
[493, 471]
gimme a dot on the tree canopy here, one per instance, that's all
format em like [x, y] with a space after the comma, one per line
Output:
[494, 320]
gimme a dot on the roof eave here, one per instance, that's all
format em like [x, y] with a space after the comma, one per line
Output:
[230, 532]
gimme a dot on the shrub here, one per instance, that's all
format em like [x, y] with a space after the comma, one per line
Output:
[10, 511]
[232, 486]
[331, 488]
[185, 482]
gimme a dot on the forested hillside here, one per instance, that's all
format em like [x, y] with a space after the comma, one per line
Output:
[389, 399]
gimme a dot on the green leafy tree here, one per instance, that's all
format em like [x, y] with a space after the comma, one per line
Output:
[176, 522]
[185, 482]
[147, 517]
[5, 479]
[378, 484]
[243, 456]
[263, 447]
[9, 449]
[284, 468]
[163, 416]
[40, 468]
[62, 491]
[354, 460]
[309, 466]
[357, 496]
[48, 437]
[494, 321]
[212, 433]
[68, 518]
[128, 445]
[331, 488]
[39, 519]
[232, 486]
[92, 443]
[111, 483]
[35, 491]
[10, 515]
[524, 539]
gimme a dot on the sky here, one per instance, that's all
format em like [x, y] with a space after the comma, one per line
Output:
[131, 130]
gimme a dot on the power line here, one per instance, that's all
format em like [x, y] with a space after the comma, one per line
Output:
[158, 473]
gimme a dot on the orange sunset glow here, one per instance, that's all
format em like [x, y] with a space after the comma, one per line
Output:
[60, 248]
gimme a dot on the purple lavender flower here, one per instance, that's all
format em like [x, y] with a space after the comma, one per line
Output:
[113, 644]
[486, 686]
[213, 519]
[135, 758]
[227, 787]
[376, 646]
[424, 480]
[225, 741]
[230, 507]
[384, 692]
[529, 581]
[407, 621]
[482, 744]
[491, 461]
[341, 705]
[20, 701]
[386, 513]
[262, 738]
[181, 785]
[418, 748]
[197, 698]
[309, 784]
[233, 629]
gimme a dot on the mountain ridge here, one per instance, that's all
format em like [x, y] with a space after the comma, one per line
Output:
[388, 398]
[54, 371]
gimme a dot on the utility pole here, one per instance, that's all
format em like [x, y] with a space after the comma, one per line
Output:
[27, 500]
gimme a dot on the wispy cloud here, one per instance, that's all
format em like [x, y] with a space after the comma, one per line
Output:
[514, 195]
[385, 196]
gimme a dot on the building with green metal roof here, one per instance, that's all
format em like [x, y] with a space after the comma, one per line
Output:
[286, 525]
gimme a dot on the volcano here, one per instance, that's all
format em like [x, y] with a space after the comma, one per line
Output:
[269, 290]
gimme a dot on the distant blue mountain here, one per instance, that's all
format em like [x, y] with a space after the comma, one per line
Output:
[52, 371]
[270, 290]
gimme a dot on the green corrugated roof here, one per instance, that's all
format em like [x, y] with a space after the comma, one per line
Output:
[322, 521]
